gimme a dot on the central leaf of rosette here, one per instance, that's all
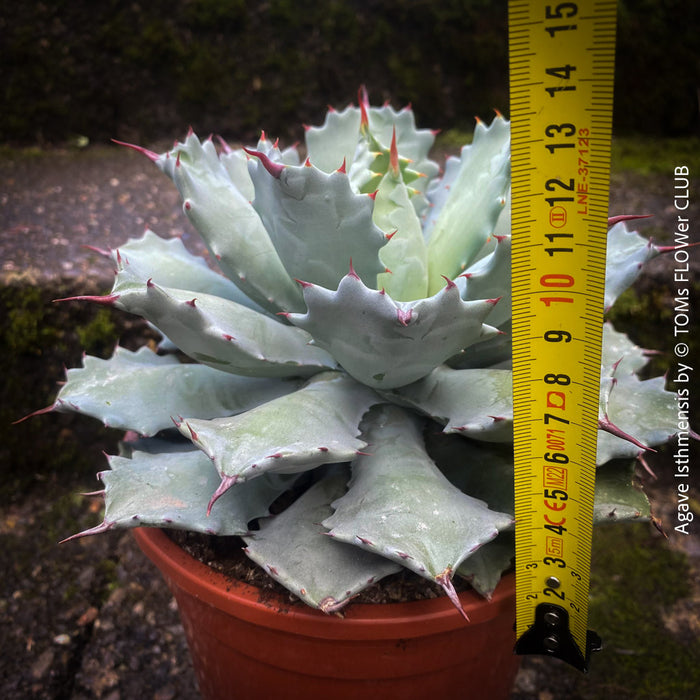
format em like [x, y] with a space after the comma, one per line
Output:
[387, 344]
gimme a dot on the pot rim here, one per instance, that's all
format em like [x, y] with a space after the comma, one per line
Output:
[267, 608]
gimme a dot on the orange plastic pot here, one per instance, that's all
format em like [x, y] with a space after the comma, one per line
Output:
[246, 644]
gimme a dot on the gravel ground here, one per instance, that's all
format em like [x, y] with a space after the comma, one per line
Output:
[92, 618]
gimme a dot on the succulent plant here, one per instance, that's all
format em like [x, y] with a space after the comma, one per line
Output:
[353, 348]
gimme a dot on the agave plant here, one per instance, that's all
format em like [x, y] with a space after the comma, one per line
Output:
[355, 347]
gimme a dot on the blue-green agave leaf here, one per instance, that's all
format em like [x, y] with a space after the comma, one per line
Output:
[477, 197]
[635, 415]
[489, 278]
[293, 547]
[484, 470]
[476, 403]
[167, 262]
[336, 141]
[401, 506]
[438, 191]
[218, 332]
[386, 131]
[617, 496]
[229, 225]
[384, 343]
[315, 425]
[143, 392]
[405, 254]
[485, 567]
[495, 352]
[151, 489]
[627, 253]
[317, 224]
[619, 350]
[235, 160]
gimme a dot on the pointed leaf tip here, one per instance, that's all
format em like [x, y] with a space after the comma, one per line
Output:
[343, 167]
[363, 99]
[609, 427]
[139, 149]
[107, 300]
[224, 144]
[38, 412]
[612, 220]
[275, 169]
[445, 581]
[351, 272]
[394, 155]
[226, 483]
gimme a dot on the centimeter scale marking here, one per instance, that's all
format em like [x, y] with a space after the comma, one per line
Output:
[561, 79]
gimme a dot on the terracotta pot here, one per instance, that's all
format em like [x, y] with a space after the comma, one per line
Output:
[250, 644]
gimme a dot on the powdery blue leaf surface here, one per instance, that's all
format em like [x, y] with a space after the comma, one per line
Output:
[477, 197]
[617, 497]
[401, 506]
[642, 409]
[485, 567]
[333, 143]
[142, 391]
[619, 349]
[337, 139]
[385, 130]
[495, 352]
[173, 491]
[477, 403]
[229, 225]
[315, 425]
[489, 278]
[167, 262]
[235, 161]
[316, 223]
[293, 547]
[384, 343]
[405, 253]
[219, 332]
[484, 470]
[439, 190]
[627, 252]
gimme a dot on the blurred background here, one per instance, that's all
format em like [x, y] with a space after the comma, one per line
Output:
[76, 69]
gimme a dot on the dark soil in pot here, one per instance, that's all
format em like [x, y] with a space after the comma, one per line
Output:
[225, 555]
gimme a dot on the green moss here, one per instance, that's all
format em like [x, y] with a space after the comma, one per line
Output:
[97, 336]
[655, 155]
[452, 140]
[24, 329]
[37, 340]
[636, 580]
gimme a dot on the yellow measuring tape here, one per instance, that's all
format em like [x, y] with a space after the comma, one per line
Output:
[561, 82]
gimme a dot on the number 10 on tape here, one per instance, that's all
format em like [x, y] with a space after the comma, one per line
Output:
[561, 82]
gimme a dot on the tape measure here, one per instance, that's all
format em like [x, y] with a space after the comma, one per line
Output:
[561, 81]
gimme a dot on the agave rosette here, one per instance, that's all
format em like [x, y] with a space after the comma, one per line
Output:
[355, 346]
